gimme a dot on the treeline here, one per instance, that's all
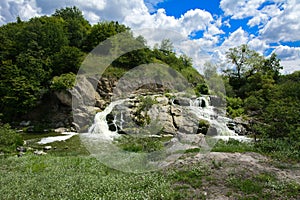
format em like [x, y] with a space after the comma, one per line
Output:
[45, 53]
[257, 91]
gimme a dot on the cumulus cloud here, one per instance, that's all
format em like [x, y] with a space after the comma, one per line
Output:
[11, 9]
[240, 9]
[151, 4]
[236, 38]
[285, 26]
[258, 45]
[287, 53]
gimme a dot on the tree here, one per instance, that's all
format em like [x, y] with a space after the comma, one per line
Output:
[166, 46]
[252, 71]
[68, 59]
[101, 31]
[77, 26]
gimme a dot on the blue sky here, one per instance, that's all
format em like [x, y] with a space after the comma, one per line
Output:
[209, 28]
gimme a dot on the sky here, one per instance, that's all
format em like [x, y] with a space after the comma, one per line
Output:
[203, 30]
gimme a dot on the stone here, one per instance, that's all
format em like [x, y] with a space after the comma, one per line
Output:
[47, 148]
[60, 130]
[25, 123]
[162, 100]
[39, 153]
[65, 97]
[21, 149]
[20, 154]
[182, 101]
[217, 101]
[193, 139]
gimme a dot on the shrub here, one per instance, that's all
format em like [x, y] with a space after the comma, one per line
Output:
[63, 82]
[9, 139]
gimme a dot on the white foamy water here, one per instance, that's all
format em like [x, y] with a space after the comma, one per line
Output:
[202, 109]
[100, 126]
[63, 137]
[239, 138]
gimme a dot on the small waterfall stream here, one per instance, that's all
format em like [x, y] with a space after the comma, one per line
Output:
[202, 108]
[100, 125]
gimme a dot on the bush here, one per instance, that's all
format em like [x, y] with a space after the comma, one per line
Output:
[63, 82]
[201, 89]
[234, 107]
[9, 139]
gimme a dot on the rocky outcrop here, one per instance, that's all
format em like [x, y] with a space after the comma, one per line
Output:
[87, 97]
[161, 117]
[240, 126]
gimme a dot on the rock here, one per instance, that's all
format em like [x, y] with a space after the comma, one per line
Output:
[47, 148]
[217, 101]
[240, 126]
[21, 149]
[175, 111]
[193, 139]
[25, 123]
[240, 129]
[162, 114]
[39, 153]
[187, 123]
[65, 97]
[20, 154]
[162, 100]
[182, 101]
[59, 124]
[60, 130]
[212, 131]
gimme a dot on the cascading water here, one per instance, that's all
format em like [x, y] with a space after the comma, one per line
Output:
[202, 109]
[200, 106]
[101, 127]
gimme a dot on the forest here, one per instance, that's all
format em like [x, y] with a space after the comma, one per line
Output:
[44, 54]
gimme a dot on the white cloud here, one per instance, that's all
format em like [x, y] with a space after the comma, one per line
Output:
[152, 3]
[285, 26]
[240, 9]
[11, 9]
[236, 38]
[258, 45]
[287, 53]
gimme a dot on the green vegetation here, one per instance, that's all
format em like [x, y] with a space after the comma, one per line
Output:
[43, 54]
[139, 144]
[257, 91]
[145, 104]
[261, 186]
[233, 146]
[9, 139]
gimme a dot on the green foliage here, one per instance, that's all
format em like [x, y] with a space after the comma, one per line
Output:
[68, 59]
[139, 144]
[201, 89]
[280, 149]
[37, 54]
[101, 31]
[234, 107]
[203, 126]
[262, 186]
[233, 146]
[63, 82]
[80, 177]
[145, 103]
[77, 27]
[9, 139]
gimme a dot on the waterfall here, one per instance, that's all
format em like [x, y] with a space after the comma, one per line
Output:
[100, 125]
[202, 109]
